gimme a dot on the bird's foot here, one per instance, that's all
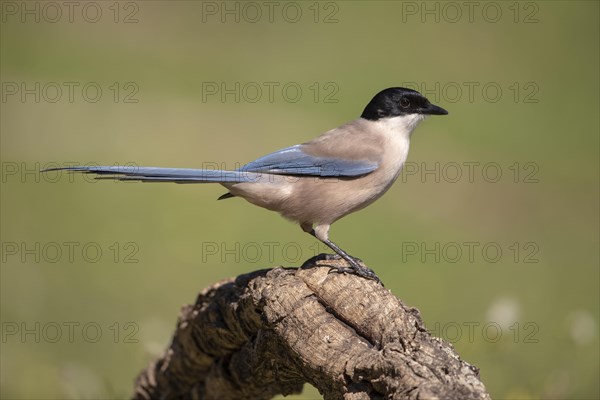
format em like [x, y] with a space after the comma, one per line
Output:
[355, 267]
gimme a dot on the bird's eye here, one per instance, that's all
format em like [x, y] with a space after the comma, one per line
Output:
[404, 102]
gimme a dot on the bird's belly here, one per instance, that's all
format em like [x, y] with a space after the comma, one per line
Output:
[325, 200]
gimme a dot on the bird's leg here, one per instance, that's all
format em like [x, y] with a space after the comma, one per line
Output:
[355, 267]
[321, 233]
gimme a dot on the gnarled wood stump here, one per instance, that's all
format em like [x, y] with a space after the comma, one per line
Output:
[270, 331]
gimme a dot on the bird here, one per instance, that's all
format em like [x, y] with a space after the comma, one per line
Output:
[320, 181]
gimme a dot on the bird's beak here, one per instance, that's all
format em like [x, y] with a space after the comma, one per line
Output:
[432, 109]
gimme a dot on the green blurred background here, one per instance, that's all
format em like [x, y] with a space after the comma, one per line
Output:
[82, 325]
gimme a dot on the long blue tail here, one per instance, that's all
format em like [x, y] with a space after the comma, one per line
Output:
[155, 174]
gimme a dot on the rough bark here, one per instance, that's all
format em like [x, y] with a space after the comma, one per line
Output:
[269, 331]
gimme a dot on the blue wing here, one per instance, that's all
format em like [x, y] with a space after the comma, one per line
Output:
[294, 161]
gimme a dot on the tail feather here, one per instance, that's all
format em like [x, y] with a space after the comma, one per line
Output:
[155, 174]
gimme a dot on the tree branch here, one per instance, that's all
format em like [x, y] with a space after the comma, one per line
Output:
[270, 331]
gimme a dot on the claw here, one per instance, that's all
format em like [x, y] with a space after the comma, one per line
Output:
[354, 266]
[356, 269]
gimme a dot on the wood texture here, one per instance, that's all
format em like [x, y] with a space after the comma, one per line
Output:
[270, 331]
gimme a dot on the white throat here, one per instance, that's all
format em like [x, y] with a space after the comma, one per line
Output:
[403, 125]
